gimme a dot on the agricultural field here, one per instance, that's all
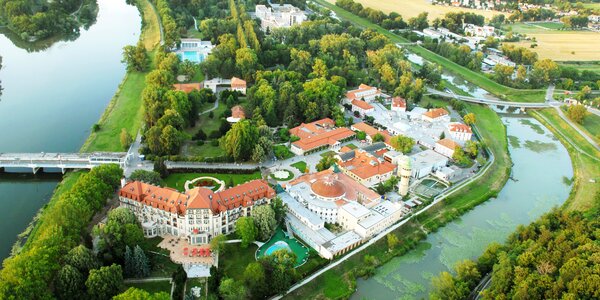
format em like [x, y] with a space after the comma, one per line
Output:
[559, 45]
[583, 66]
[411, 8]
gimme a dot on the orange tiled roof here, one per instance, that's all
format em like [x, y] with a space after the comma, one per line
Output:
[362, 104]
[345, 149]
[459, 127]
[365, 165]
[319, 133]
[187, 87]
[436, 113]
[238, 83]
[398, 102]
[448, 143]
[372, 131]
[361, 88]
[170, 200]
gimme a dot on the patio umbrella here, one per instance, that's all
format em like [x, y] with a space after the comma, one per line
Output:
[185, 251]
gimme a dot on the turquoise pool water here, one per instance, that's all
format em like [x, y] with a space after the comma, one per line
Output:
[192, 56]
[279, 245]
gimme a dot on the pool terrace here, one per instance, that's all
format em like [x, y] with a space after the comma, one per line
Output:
[280, 241]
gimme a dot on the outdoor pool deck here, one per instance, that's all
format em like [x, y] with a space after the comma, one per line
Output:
[278, 241]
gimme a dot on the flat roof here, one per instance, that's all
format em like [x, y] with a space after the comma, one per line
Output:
[293, 204]
[356, 210]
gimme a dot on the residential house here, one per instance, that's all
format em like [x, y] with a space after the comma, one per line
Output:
[319, 135]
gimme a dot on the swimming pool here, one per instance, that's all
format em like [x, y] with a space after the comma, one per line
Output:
[192, 56]
[279, 245]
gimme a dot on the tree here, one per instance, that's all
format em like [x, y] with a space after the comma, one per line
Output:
[69, 283]
[122, 229]
[472, 148]
[279, 209]
[230, 289]
[142, 263]
[392, 241]
[460, 157]
[319, 69]
[264, 219]
[240, 140]
[402, 143]
[139, 294]
[82, 258]
[135, 57]
[326, 162]
[469, 119]
[577, 113]
[246, 62]
[545, 71]
[444, 287]
[129, 265]
[125, 139]
[246, 230]
[217, 244]
[378, 137]
[361, 135]
[467, 273]
[255, 280]
[150, 177]
[258, 154]
[214, 279]
[105, 282]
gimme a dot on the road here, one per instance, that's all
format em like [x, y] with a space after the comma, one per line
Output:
[431, 91]
[210, 166]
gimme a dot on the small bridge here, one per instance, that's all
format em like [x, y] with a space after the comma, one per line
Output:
[17, 162]
[431, 91]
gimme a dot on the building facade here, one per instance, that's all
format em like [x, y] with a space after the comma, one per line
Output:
[198, 214]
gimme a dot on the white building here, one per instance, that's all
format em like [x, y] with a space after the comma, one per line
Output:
[478, 31]
[427, 162]
[436, 115]
[233, 84]
[194, 50]
[460, 132]
[398, 104]
[198, 214]
[279, 16]
[362, 107]
[494, 59]
[446, 147]
[364, 92]
[369, 222]
[446, 174]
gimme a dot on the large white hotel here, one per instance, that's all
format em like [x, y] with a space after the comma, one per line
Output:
[198, 214]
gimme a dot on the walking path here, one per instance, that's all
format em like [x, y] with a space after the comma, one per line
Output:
[212, 108]
[151, 279]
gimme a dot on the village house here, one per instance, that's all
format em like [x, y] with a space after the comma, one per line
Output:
[366, 167]
[361, 107]
[365, 93]
[436, 115]
[460, 132]
[446, 147]
[398, 104]
[237, 114]
[319, 135]
[198, 214]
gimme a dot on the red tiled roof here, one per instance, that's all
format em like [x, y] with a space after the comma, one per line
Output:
[365, 165]
[459, 127]
[319, 133]
[361, 88]
[448, 143]
[362, 104]
[436, 113]
[170, 200]
[238, 112]
[238, 83]
[398, 102]
[187, 87]
[372, 131]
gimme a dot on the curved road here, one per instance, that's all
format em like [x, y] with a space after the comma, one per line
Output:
[431, 91]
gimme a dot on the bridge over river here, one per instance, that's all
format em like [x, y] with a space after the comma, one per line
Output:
[522, 105]
[18, 162]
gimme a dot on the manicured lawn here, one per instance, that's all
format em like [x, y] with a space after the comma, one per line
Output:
[301, 166]
[177, 180]
[583, 195]
[235, 260]
[477, 78]
[328, 153]
[352, 146]
[150, 25]
[162, 266]
[289, 176]
[207, 123]
[204, 150]
[152, 287]
[591, 124]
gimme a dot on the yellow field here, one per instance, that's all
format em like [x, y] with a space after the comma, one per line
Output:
[411, 8]
[566, 45]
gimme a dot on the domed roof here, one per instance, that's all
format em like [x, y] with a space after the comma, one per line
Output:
[328, 187]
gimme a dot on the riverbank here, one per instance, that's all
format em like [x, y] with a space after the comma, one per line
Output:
[477, 78]
[128, 97]
[585, 159]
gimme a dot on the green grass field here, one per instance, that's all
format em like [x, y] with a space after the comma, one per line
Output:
[477, 78]
[583, 66]
[204, 150]
[177, 180]
[207, 123]
[125, 110]
[235, 259]
[301, 166]
[585, 169]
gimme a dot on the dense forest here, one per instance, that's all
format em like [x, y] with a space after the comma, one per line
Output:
[34, 20]
[555, 257]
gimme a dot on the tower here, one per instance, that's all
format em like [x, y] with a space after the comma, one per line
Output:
[404, 171]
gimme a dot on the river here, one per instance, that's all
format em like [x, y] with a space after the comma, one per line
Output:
[541, 165]
[51, 99]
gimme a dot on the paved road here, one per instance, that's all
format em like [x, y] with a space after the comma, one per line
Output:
[203, 165]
